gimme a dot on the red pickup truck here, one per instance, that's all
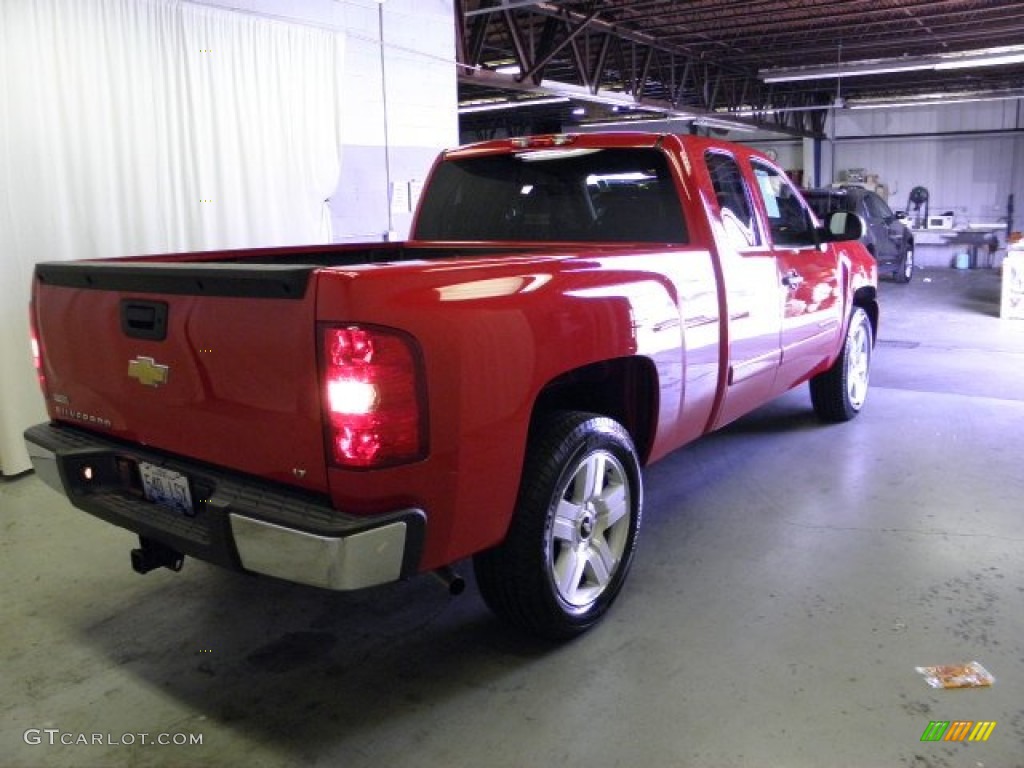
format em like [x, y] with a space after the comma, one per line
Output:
[568, 309]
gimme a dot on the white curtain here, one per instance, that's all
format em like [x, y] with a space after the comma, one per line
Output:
[148, 126]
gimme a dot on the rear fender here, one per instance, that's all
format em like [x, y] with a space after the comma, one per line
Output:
[503, 339]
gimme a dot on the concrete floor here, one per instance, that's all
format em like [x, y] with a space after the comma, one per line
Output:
[789, 579]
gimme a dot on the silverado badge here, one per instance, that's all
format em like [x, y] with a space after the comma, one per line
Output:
[148, 371]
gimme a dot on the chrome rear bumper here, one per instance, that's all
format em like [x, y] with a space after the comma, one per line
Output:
[363, 559]
[241, 523]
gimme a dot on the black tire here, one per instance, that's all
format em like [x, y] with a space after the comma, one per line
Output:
[555, 575]
[838, 394]
[905, 271]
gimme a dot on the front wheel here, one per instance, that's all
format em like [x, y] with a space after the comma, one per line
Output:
[571, 540]
[838, 394]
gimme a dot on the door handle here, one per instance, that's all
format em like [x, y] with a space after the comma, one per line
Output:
[792, 280]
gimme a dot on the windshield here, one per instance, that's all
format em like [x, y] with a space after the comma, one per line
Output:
[827, 203]
[590, 195]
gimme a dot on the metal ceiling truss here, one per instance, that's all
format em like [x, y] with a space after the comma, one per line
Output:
[555, 50]
[710, 60]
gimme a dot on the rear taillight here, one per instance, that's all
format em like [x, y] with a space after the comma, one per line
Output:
[373, 396]
[37, 348]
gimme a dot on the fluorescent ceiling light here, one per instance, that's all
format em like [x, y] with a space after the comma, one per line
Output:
[988, 61]
[852, 69]
[470, 107]
[609, 98]
[934, 99]
[573, 92]
[727, 125]
[627, 120]
[483, 76]
[752, 112]
[989, 57]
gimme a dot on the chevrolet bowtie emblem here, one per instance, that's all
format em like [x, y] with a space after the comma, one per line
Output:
[148, 371]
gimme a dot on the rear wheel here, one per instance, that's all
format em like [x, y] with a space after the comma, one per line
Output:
[838, 394]
[571, 540]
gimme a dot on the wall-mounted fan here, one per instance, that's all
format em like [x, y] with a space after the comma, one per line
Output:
[918, 199]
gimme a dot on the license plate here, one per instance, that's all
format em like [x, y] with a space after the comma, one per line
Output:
[166, 487]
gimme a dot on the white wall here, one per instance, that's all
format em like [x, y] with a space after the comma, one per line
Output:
[942, 118]
[970, 156]
[402, 113]
[399, 86]
[401, 101]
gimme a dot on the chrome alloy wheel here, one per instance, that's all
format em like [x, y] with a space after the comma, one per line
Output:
[858, 364]
[589, 531]
[573, 534]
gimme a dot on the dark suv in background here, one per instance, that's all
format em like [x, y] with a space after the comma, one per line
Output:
[889, 239]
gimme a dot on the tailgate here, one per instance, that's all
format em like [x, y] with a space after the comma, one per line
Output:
[215, 362]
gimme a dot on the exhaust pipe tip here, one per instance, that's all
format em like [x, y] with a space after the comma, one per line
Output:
[447, 575]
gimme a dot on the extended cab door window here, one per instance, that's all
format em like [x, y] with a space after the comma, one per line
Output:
[733, 201]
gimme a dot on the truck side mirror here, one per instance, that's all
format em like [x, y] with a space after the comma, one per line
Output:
[843, 225]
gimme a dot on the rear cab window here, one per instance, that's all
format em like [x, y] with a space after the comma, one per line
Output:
[573, 195]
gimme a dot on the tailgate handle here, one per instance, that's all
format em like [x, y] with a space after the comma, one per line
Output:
[144, 319]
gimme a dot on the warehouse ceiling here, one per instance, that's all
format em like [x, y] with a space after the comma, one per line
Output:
[537, 66]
